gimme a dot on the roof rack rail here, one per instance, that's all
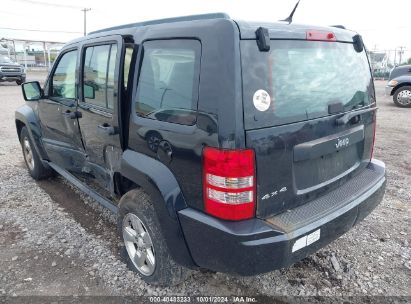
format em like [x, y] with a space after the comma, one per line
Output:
[339, 26]
[166, 20]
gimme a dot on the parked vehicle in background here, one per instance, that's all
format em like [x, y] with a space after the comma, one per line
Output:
[223, 145]
[399, 86]
[11, 71]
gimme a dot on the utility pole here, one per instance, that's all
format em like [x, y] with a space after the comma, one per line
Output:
[25, 55]
[85, 10]
[44, 53]
[401, 51]
[395, 57]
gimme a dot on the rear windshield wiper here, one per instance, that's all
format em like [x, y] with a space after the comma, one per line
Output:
[347, 117]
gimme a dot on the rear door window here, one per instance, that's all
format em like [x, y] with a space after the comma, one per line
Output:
[302, 78]
[99, 70]
[168, 82]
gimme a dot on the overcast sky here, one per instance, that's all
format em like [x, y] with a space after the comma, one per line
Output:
[383, 24]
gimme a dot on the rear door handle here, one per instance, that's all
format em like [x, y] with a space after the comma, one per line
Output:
[107, 129]
[72, 115]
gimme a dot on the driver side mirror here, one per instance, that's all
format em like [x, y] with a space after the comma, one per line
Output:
[32, 91]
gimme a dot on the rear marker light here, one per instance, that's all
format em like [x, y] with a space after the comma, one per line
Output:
[229, 183]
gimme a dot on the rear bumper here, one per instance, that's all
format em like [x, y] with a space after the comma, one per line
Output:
[256, 246]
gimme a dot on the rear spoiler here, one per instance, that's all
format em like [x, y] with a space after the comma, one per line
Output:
[263, 38]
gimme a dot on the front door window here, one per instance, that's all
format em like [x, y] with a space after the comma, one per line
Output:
[63, 84]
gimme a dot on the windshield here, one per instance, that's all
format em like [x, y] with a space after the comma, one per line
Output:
[302, 78]
[5, 59]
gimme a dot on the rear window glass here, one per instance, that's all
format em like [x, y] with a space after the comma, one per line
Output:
[399, 71]
[302, 78]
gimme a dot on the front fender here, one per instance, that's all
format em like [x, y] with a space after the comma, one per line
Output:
[404, 80]
[159, 182]
[26, 115]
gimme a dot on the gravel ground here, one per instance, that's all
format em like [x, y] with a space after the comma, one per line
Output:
[56, 241]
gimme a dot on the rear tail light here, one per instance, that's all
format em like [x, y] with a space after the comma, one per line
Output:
[229, 183]
[320, 36]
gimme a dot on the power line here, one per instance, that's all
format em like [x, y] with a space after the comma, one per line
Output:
[36, 30]
[50, 4]
[12, 13]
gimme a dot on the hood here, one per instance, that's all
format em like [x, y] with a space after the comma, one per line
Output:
[11, 64]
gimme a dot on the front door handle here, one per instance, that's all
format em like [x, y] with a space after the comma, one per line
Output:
[107, 129]
[72, 115]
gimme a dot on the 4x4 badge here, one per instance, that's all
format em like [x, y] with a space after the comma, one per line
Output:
[274, 193]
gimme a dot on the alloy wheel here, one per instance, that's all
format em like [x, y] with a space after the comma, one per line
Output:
[28, 153]
[404, 97]
[138, 244]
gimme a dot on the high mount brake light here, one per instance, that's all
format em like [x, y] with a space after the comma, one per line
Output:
[229, 184]
[320, 36]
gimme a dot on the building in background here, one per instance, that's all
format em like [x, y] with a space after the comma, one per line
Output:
[380, 64]
[32, 54]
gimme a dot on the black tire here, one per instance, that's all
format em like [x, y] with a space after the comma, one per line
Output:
[402, 90]
[34, 165]
[166, 272]
[19, 82]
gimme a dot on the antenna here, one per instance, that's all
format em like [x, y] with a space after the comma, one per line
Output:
[289, 19]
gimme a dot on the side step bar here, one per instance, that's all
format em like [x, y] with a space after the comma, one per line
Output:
[84, 188]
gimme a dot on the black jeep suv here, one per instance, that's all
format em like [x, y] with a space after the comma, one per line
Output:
[11, 71]
[232, 146]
